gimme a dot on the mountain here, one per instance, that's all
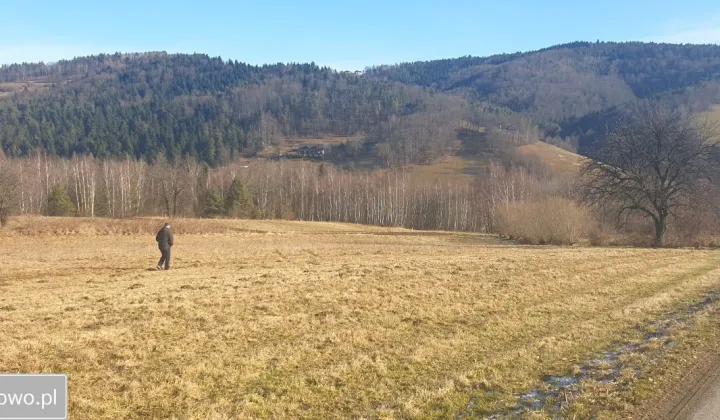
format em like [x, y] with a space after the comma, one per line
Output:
[575, 89]
[568, 80]
[179, 105]
[194, 105]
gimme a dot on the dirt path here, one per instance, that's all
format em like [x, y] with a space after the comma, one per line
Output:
[708, 406]
[703, 399]
[695, 396]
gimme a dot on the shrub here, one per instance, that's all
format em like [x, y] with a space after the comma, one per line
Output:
[556, 221]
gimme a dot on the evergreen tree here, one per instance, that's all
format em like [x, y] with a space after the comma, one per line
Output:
[9, 184]
[102, 204]
[59, 203]
[238, 202]
[213, 204]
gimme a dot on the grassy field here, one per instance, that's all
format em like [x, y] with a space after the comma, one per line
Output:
[461, 169]
[456, 169]
[560, 161]
[465, 169]
[7, 89]
[274, 319]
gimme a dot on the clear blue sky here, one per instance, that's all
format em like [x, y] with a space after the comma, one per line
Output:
[342, 34]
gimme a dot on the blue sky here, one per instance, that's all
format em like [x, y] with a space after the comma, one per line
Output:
[346, 35]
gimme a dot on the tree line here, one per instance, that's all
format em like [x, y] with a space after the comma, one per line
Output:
[299, 190]
[658, 166]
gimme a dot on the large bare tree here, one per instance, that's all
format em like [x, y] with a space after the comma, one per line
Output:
[650, 165]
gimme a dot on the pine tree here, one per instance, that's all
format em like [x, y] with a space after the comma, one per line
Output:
[238, 202]
[213, 205]
[102, 205]
[9, 183]
[59, 202]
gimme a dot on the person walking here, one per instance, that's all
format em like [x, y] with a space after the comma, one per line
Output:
[165, 241]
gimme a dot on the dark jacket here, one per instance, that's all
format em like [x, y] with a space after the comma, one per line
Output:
[164, 238]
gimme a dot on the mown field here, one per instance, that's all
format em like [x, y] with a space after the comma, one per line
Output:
[274, 319]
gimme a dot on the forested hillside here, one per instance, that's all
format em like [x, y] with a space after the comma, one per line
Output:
[193, 105]
[576, 89]
[179, 105]
[568, 80]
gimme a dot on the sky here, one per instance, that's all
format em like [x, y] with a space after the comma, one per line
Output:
[345, 35]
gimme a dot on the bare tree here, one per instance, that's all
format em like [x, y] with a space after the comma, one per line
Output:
[173, 180]
[650, 165]
[83, 169]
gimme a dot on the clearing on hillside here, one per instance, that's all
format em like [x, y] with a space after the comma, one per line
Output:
[8, 89]
[279, 319]
[560, 161]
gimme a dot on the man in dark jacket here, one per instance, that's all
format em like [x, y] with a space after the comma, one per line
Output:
[165, 241]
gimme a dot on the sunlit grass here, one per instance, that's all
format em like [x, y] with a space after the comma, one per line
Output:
[560, 161]
[317, 320]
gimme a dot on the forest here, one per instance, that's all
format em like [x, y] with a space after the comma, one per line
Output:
[195, 106]
[213, 110]
[576, 90]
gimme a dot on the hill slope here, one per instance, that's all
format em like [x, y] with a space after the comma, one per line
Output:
[576, 90]
[407, 114]
[568, 80]
[194, 105]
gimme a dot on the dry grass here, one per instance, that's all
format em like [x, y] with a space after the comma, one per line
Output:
[7, 88]
[274, 319]
[560, 161]
[465, 169]
[455, 169]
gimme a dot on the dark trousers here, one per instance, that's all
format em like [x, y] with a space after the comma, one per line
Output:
[165, 258]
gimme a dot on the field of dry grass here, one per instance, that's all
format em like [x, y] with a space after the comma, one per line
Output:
[455, 169]
[276, 319]
[560, 161]
[459, 169]
[464, 169]
[7, 89]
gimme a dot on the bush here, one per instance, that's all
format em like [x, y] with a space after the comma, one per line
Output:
[557, 221]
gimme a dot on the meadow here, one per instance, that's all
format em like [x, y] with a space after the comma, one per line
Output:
[281, 319]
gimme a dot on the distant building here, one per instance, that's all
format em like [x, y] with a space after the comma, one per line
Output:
[312, 152]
